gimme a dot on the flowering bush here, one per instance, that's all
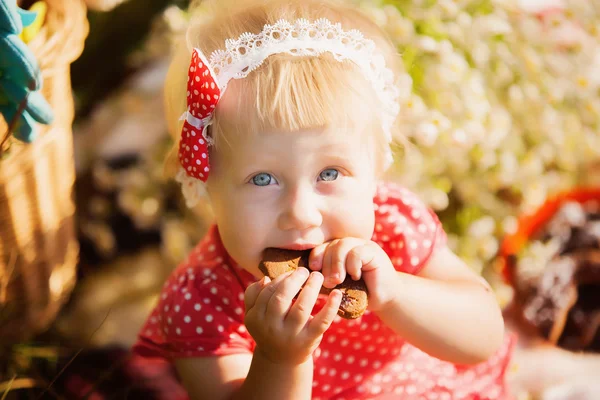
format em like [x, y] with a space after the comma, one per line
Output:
[504, 109]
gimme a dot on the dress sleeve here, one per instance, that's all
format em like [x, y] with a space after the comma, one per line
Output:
[199, 313]
[406, 228]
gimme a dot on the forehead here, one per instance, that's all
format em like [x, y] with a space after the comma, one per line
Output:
[298, 150]
[293, 95]
[303, 143]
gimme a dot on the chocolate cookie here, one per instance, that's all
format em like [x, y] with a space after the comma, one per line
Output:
[354, 293]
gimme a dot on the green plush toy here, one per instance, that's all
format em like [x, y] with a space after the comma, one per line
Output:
[20, 77]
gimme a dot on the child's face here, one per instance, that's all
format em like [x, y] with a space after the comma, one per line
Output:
[291, 190]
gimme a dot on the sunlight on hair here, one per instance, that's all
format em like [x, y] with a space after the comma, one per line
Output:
[287, 93]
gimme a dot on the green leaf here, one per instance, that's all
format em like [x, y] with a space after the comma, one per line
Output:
[430, 28]
[410, 57]
[466, 216]
[481, 7]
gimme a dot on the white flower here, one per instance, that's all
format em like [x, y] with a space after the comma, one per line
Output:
[464, 20]
[427, 44]
[456, 33]
[413, 105]
[488, 246]
[502, 75]
[534, 195]
[401, 28]
[509, 167]
[460, 138]
[449, 8]
[519, 103]
[510, 225]
[481, 53]
[531, 29]
[516, 95]
[378, 15]
[493, 24]
[487, 160]
[454, 67]
[475, 131]
[532, 166]
[427, 133]
[564, 33]
[438, 199]
[482, 227]
[450, 102]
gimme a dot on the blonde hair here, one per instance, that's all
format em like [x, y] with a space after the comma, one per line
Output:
[287, 92]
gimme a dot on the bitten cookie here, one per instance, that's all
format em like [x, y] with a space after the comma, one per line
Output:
[354, 293]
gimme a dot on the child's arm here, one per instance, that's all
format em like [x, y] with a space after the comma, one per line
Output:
[285, 334]
[244, 377]
[446, 310]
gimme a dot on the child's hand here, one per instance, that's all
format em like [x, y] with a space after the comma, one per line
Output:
[283, 332]
[358, 258]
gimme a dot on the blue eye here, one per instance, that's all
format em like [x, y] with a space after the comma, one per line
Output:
[263, 179]
[330, 174]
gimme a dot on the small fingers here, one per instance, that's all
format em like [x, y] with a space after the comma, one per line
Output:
[354, 262]
[339, 261]
[324, 318]
[315, 259]
[252, 292]
[335, 268]
[281, 300]
[300, 312]
[367, 254]
[267, 292]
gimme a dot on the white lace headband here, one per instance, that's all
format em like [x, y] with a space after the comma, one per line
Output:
[208, 79]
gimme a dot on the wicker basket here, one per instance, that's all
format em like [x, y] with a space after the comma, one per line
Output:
[38, 246]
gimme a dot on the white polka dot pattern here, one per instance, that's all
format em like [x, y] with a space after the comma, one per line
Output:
[200, 313]
[409, 232]
[203, 95]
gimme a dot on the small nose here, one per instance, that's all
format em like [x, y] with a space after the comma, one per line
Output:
[300, 211]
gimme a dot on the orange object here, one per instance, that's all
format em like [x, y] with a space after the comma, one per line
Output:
[530, 224]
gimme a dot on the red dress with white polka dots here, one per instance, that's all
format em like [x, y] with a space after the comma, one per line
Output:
[201, 308]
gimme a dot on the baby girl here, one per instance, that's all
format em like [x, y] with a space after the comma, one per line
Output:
[284, 113]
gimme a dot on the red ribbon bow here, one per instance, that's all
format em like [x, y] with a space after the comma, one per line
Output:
[203, 94]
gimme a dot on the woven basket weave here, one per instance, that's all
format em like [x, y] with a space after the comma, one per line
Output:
[38, 246]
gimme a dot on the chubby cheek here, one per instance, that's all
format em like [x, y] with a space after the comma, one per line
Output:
[366, 221]
[242, 225]
[354, 217]
[244, 236]
[244, 250]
